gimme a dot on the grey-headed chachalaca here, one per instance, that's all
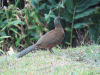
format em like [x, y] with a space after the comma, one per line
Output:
[49, 40]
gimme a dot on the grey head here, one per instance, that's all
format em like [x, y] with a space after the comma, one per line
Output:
[57, 21]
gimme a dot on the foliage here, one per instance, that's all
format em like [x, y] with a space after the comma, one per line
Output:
[94, 27]
[77, 13]
[2, 51]
[1, 41]
[21, 25]
[26, 25]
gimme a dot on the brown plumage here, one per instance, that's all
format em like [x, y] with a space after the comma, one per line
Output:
[49, 40]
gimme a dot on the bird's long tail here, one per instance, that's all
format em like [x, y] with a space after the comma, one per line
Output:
[26, 51]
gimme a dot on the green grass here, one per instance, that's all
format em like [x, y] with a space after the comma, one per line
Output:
[83, 60]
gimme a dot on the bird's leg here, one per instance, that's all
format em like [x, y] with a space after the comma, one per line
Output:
[51, 50]
[34, 51]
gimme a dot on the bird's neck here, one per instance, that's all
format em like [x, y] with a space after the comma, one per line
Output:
[58, 25]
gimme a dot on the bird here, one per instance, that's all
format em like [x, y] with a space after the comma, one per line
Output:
[48, 40]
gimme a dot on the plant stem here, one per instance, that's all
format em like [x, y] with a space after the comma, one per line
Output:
[72, 27]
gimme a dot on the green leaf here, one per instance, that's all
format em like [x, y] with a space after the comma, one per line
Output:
[92, 33]
[53, 16]
[80, 2]
[59, 46]
[3, 37]
[18, 1]
[35, 4]
[33, 34]
[2, 17]
[43, 6]
[3, 33]
[71, 4]
[67, 43]
[85, 13]
[70, 10]
[36, 35]
[68, 29]
[61, 5]
[18, 22]
[47, 18]
[36, 1]
[33, 27]
[52, 2]
[18, 41]
[3, 28]
[1, 41]
[86, 4]
[4, 24]
[79, 25]
[94, 28]
[9, 25]
[2, 51]
[24, 35]
[67, 19]
[51, 12]
[15, 31]
[50, 6]
[36, 17]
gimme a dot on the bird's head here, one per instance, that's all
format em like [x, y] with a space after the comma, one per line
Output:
[57, 21]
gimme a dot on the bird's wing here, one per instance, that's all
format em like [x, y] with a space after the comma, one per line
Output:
[52, 37]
